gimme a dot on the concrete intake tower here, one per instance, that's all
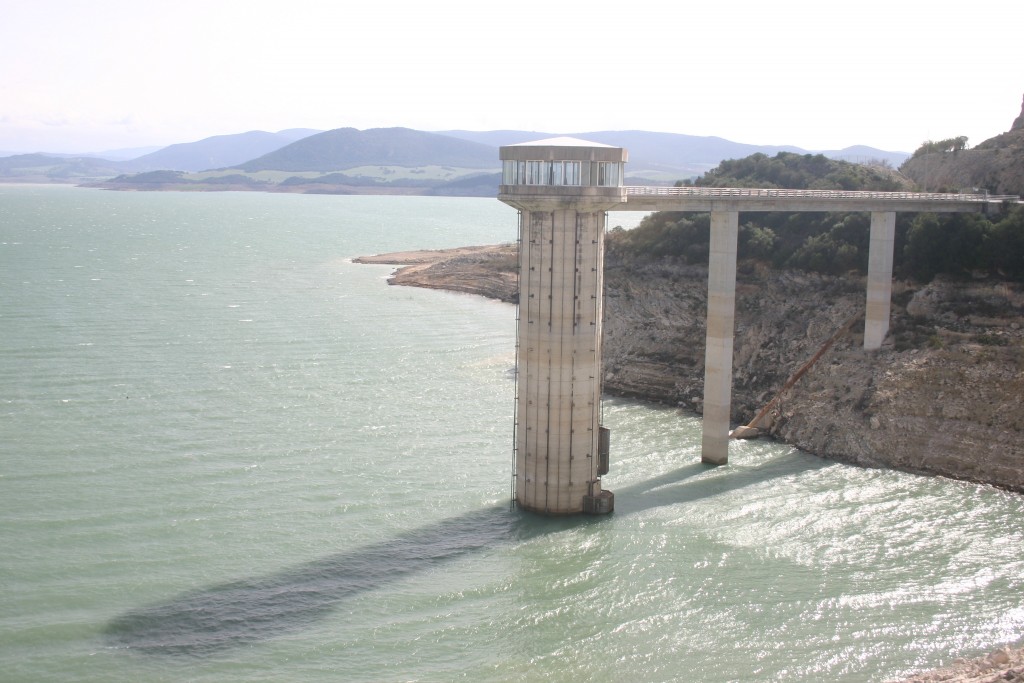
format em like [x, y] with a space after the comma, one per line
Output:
[562, 188]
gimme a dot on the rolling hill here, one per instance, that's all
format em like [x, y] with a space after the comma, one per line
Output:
[345, 148]
[46, 168]
[219, 151]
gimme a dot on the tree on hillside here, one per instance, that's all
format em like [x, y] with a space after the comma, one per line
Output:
[949, 243]
[954, 145]
[1004, 248]
[798, 172]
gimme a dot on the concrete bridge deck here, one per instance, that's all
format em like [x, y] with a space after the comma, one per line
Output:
[639, 198]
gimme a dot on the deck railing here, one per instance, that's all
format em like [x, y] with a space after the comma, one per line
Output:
[730, 192]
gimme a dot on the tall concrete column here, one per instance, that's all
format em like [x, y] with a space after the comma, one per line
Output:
[879, 296]
[559, 382]
[719, 341]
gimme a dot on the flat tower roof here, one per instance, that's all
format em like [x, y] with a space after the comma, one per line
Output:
[563, 141]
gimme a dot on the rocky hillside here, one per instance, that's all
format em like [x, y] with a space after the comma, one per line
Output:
[942, 396]
[996, 165]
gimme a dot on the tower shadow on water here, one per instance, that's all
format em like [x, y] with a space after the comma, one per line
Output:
[214, 619]
[219, 618]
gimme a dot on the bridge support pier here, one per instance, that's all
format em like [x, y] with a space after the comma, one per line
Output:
[879, 294]
[719, 340]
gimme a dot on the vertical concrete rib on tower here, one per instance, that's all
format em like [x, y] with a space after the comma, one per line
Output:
[562, 188]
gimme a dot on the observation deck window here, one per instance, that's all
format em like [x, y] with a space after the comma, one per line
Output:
[570, 172]
[608, 173]
[512, 171]
[537, 172]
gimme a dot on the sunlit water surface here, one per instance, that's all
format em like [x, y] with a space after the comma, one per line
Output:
[229, 454]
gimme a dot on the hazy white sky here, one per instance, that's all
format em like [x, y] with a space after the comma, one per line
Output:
[91, 75]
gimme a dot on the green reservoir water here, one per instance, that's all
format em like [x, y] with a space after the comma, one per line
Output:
[229, 454]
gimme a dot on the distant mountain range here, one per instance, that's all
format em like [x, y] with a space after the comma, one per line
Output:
[380, 158]
[658, 154]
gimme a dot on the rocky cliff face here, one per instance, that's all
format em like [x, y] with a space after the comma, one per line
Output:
[942, 396]
[996, 165]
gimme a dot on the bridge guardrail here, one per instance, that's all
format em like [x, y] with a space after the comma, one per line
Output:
[765, 193]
